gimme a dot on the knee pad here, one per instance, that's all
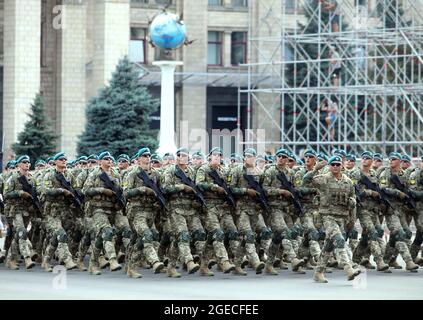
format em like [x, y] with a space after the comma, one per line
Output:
[418, 240]
[108, 234]
[400, 235]
[218, 235]
[338, 241]
[183, 236]
[328, 246]
[277, 237]
[322, 235]
[61, 236]
[99, 243]
[364, 240]
[127, 232]
[314, 235]
[380, 231]
[265, 233]
[199, 235]
[139, 244]
[156, 235]
[353, 234]
[408, 233]
[373, 234]
[296, 231]
[250, 237]
[22, 233]
[147, 236]
[232, 235]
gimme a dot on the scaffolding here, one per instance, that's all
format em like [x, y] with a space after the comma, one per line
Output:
[337, 74]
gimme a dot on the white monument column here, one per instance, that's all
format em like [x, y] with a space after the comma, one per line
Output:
[167, 107]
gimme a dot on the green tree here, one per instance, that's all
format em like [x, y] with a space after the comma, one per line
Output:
[37, 139]
[118, 118]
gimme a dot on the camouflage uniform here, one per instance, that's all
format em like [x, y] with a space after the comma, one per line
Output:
[106, 215]
[336, 208]
[56, 209]
[142, 208]
[183, 218]
[416, 185]
[395, 219]
[249, 219]
[278, 204]
[218, 220]
[20, 211]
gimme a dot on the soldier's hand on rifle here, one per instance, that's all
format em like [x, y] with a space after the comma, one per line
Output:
[285, 193]
[188, 189]
[149, 191]
[401, 195]
[26, 195]
[67, 193]
[108, 192]
[252, 193]
[220, 190]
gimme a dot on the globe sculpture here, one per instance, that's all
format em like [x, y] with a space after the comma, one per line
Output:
[167, 32]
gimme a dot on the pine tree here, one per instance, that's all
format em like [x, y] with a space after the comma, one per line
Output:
[118, 118]
[37, 140]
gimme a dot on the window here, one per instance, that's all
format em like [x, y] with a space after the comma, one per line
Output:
[214, 48]
[238, 48]
[215, 2]
[137, 45]
[240, 3]
[360, 2]
[164, 1]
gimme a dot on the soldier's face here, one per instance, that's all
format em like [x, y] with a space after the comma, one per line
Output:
[156, 164]
[144, 159]
[106, 163]
[367, 162]
[310, 161]
[405, 164]
[250, 160]
[394, 163]
[24, 165]
[61, 163]
[349, 164]
[182, 158]
[215, 159]
[377, 164]
[261, 164]
[335, 167]
[123, 165]
[282, 160]
[92, 164]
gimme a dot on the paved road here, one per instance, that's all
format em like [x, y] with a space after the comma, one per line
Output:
[36, 284]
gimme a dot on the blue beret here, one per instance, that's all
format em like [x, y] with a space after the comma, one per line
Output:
[260, 158]
[335, 159]
[377, 156]
[123, 156]
[182, 150]
[40, 163]
[250, 151]
[104, 155]
[339, 152]
[216, 150]
[291, 155]
[143, 151]
[351, 157]
[59, 155]
[282, 152]
[367, 155]
[322, 156]
[23, 158]
[269, 158]
[155, 158]
[92, 157]
[82, 158]
[394, 155]
[168, 155]
[310, 153]
[11, 164]
[49, 159]
[405, 157]
[198, 155]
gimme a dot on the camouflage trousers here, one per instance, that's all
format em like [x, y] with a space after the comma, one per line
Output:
[334, 227]
[397, 238]
[294, 224]
[281, 235]
[88, 237]
[212, 218]
[57, 239]
[20, 243]
[185, 226]
[311, 234]
[369, 221]
[107, 224]
[141, 219]
[418, 240]
[74, 226]
[249, 223]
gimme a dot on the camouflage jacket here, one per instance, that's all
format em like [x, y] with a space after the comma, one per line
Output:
[336, 196]
[13, 191]
[53, 191]
[174, 188]
[238, 184]
[205, 182]
[307, 193]
[416, 185]
[134, 188]
[271, 184]
[386, 183]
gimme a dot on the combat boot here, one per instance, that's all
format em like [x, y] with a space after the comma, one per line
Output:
[2, 258]
[192, 267]
[332, 263]
[239, 272]
[29, 264]
[259, 266]
[80, 264]
[244, 262]
[394, 264]
[211, 263]
[12, 264]
[114, 265]
[132, 273]
[270, 269]
[419, 261]
[93, 269]
[46, 265]
[351, 273]
[69, 264]
[103, 262]
[171, 272]
[121, 257]
[296, 264]
[277, 263]
[381, 265]
[226, 266]
[319, 277]
[157, 267]
[283, 265]
[410, 265]
[205, 271]
[367, 264]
